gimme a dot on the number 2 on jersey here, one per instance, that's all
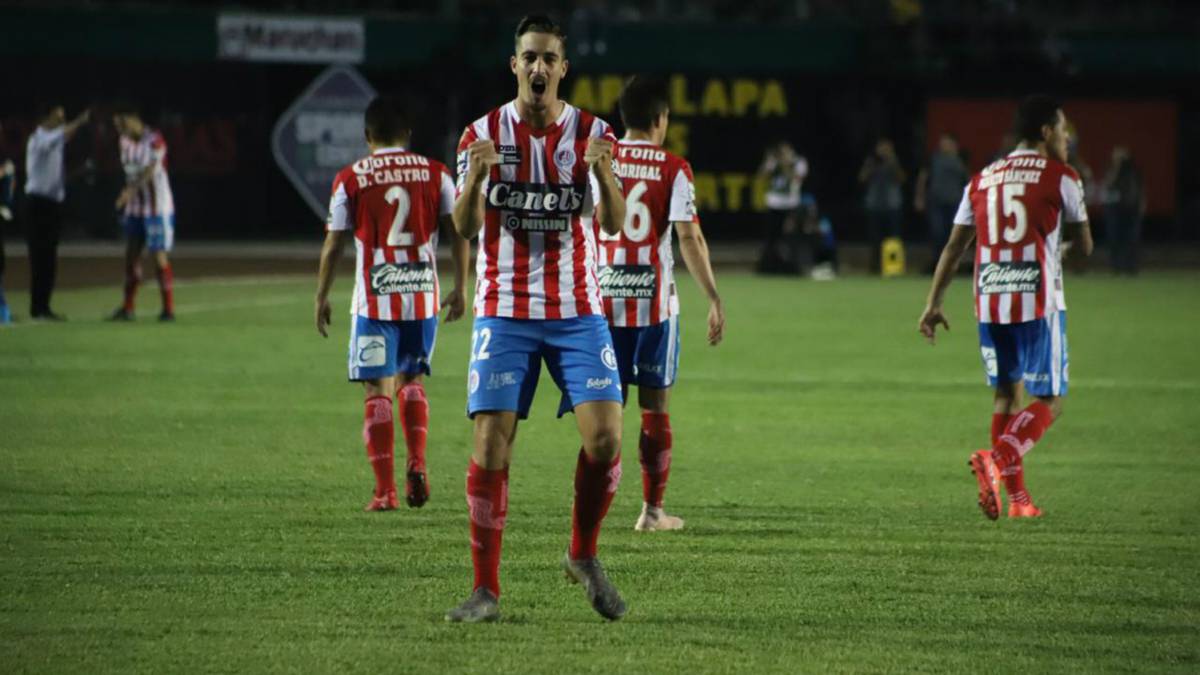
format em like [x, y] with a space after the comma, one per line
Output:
[637, 216]
[1013, 208]
[396, 235]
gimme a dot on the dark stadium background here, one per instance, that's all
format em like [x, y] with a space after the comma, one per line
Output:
[852, 72]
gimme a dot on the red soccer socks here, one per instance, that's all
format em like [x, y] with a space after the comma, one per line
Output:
[654, 453]
[595, 484]
[487, 502]
[166, 285]
[133, 278]
[379, 435]
[1023, 431]
[414, 417]
[999, 422]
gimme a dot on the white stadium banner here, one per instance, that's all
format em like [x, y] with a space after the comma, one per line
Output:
[251, 37]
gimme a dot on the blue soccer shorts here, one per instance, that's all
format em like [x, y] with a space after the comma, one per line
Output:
[1033, 352]
[381, 349]
[648, 356]
[157, 231]
[507, 355]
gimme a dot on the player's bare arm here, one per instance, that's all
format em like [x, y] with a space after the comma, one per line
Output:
[961, 239]
[455, 302]
[73, 126]
[694, 249]
[468, 208]
[331, 250]
[1078, 237]
[612, 203]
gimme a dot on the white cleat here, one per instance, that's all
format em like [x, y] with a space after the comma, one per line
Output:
[655, 519]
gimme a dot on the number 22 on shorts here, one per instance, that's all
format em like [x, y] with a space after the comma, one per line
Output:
[480, 340]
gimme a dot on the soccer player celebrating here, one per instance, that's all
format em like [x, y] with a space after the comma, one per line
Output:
[532, 174]
[1016, 210]
[148, 210]
[393, 202]
[637, 284]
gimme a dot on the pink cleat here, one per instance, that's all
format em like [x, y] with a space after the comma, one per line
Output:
[387, 502]
[988, 478]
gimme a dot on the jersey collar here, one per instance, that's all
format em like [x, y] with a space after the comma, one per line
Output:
[562, 118]
[625, 141]
[1015, 153]
[395, 148]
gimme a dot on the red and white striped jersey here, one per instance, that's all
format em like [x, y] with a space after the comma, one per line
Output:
[154, 197]
[1017, 206]
[392, 199]
[537, 246]
[636, 273]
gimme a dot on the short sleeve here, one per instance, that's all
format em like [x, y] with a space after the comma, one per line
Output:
[339, 212]
[463, 160]
[46, 141]
[158, 149]
[446, 194]
[1074, 208]
[683, 196]
[965, 215]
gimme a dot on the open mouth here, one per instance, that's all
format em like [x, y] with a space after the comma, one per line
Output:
[538, 85]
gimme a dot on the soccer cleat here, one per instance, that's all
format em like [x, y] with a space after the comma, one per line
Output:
[386, 502]
[416, 489]
[480, 607]
[47, 316]
[988, 478]
[166, 316]
[655, 519]
[1016, 510]
[603, 595]
[121, 314]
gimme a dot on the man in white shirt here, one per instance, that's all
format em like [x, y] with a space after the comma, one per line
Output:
[45, 187]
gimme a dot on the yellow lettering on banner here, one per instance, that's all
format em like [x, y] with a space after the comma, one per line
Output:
[758, 193]
[745, 92]
[610, 93]
[715, 100]
[774, 101]
[583, 94]
[680, 104]
[734, 183]
[707, 198]
[677, 138]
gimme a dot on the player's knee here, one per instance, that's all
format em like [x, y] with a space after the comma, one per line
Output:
[1055, 403]
[603, 442]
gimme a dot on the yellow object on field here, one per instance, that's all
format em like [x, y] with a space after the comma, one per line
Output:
[892, 257]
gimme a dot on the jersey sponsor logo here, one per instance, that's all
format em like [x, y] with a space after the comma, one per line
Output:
[371, 351]
[1010, 277]
[391, 278]
[609, 357]
[628, 281]
[599, 383]
[510, 154]
[564, 158]
[536, 207]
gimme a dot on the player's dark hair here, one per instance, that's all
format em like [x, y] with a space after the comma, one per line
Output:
[1032, 114]
[387, 119]
[540, 23]
[642, 100]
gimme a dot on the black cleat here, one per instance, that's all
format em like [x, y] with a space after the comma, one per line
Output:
[47, 316]
[120, 314]
[416, 489]
[166, 316]
[603, 595]
[480, 607]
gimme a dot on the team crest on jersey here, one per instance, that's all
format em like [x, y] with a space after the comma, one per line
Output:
[564, 158]
[628, 281]
[392, 278]
[1010, 277]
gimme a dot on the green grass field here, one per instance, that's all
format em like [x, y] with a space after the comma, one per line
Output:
[186, 498]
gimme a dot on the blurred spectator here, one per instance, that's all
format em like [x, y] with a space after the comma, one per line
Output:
[785, 172]
[939, 191]
[1124, 200]
[45, 185]
[882, 177]
[8, 176]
